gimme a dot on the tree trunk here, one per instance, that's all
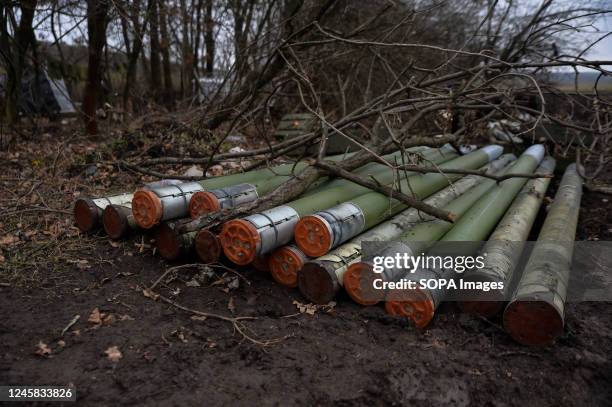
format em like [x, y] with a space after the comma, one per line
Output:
[209, 38]
[165, 46]
[187, 71]
[24, 36]
[133, 54]
[238, 10]
[196, 37]
[155, 50]
[97, 20]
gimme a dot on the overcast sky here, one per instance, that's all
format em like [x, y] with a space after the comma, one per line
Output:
[603, 50]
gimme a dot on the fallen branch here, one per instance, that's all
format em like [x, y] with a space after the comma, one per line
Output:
[480, 173]
[235, 321]
[70, 324]
[600, 188]
[405, 199]
[300, 140]
[157, 174]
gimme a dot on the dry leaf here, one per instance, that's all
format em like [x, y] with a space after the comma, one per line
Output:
[95, 317]
[192, 283]
[193, 171]
[179, 334]
[7, 240]
[230, 305]
[42, 349]
[108, 319]
[198, 318]
[233, 284]
[113, 354]
[310, 309]
[61, 343]
[81, 264]
[216, 170]
[150, 294]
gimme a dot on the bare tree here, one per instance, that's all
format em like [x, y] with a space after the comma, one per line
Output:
[14, 51]
[97, 21]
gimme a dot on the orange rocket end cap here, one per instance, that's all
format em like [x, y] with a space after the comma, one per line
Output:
[357, 281]
[239, 240]
[419, 308]
[202, 203]
[147, 208]
[532, 322]
[207, 246]
[285, 263]
[115, 222]
[86, 214]
[313, 235]
[168, 242]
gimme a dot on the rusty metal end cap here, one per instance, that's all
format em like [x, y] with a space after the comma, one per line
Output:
[115, 222]
[419, 308]
[239, 240]
[532, 322]
[202, 203]
[168, 242]
[262, 263]
[317, 283]
[355, 278]
[285, 264]
[207, 246]
[147, 208]
[86, 215]
[313, 235]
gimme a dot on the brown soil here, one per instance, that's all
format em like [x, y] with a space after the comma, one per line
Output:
[348, 355]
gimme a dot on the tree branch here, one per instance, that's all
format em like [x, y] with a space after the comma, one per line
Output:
[405, 199]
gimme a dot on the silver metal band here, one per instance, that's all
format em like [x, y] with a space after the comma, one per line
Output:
[175, 198]
[235, 195]
[274, 226]
[344, 221]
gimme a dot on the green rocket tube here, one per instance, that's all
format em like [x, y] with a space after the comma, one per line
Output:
[213, 200]
[504, 247]
[318, 233]
[535, 315]
[154, 205]
[88, 211]
[474, 225]
[320, 279]
[259, 234]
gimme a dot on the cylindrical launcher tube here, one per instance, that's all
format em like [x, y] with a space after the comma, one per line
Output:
[321, 279]
[535, 315]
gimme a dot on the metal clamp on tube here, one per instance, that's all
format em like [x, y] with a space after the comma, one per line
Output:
[319, 233]
[258, 234]
[88, 211]
[151, 206]
[222, 198]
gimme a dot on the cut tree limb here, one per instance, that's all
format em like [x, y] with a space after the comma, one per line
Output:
[405, 199]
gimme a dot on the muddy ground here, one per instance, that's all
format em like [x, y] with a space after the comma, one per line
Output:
[137, 350]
